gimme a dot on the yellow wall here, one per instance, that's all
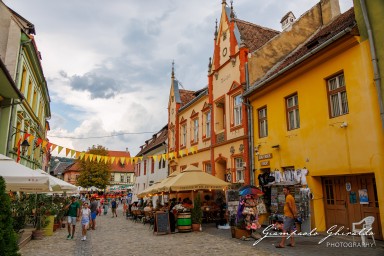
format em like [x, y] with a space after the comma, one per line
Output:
[320, 144]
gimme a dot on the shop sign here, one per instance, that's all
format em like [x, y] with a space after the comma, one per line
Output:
[265, 156]
[264, 163]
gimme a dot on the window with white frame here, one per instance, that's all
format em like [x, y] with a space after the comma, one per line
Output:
[237, 117]
[122, 178]
[337, 96]
[292, 107]
[128, 178]
[263, 122]
[239, 169]
[208, 124]
[208, 168]
[184, 134]
[195, 130]
[112, 177]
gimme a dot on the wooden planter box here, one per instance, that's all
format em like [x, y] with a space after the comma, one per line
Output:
[239, 233]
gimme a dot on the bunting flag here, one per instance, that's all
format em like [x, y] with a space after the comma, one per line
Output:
[77, 154]
[98, 158]
[155, 158]
[44, 143]
[59, 149]
[112, 159]
[67, 150]
[73, 152]
[132, 160]
[181, 152]
[127, 159]
[38, 142]
[171, 155]
[18, 150]
[82, 154]
[90, 157]
[140, 158]
[53, 147]
[164, 156]
[86, 157]
[30, 139]
[49, 145]
[122, 160]
[106, 159]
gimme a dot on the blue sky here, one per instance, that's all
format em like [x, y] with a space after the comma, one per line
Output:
[108, 63]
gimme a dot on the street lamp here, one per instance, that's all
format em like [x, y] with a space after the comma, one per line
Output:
[24, 147]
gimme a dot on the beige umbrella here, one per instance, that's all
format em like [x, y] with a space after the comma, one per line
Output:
[147, 191]
[159, 187]
[194, 178]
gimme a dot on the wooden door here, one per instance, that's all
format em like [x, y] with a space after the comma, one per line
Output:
[335, 202]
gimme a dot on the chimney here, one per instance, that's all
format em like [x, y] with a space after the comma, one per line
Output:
[330, 9]
[126, 150]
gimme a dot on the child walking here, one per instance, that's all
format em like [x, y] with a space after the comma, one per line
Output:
[85, 215]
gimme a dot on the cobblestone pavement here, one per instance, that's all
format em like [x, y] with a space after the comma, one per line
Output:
[119, 236]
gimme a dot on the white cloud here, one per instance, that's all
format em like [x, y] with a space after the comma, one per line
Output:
[108, 64]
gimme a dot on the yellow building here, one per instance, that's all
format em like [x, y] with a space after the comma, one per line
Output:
[317, 109]
[212, 122]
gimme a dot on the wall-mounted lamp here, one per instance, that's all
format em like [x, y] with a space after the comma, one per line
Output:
[276, 146]
[24, 147]
[233, 61]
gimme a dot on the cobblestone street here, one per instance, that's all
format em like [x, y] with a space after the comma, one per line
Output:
[119, 236]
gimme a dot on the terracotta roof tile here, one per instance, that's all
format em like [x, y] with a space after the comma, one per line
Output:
[186, 96]
[254, 36]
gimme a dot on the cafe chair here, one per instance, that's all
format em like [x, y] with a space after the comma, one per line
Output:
[366, 226]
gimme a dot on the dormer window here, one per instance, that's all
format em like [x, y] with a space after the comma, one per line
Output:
[287, 20]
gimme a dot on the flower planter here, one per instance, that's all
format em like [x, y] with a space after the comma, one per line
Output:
[239, 233]
[196, 227]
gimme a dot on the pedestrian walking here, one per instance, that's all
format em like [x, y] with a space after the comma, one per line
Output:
[106, 206]
[114, 207]
[290, 213]
[85, 215]
[73, 215]
[93, 207]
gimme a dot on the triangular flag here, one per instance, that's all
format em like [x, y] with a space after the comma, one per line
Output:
[127, 159]
[117, 160]
[91, 157]
[94, 157]
[122, 160]
[132, 159]
[164, 156]
[49, 145]
[73, 152]
[26, 135]
[77, 154]
[44, 143]
[186, 151]
[112, 159]
[38, 142]
[171, 155]
[106, 159]
[181, 152]
[155, 158]
[59, 149]
[30, 139]
[67, 150]
[82, 154]
[86, 157]
[53, 147]
[98, 158]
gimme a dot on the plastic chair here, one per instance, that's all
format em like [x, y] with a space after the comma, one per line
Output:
[366, 229]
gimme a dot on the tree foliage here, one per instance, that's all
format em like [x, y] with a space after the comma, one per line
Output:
[93, 172]
[8, 237]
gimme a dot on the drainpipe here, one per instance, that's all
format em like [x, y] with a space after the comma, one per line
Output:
[375, 64]
[250, 130]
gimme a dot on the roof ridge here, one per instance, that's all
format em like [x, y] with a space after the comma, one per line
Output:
[256, 25]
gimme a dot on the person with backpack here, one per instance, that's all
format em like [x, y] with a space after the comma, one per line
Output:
[114, 207]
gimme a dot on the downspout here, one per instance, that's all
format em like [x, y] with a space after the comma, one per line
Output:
[250, 130]
[376, 74]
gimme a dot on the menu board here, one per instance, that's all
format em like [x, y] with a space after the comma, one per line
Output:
[161, 225]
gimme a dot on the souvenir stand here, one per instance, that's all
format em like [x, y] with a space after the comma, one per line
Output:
[273, 183]
[244, 207]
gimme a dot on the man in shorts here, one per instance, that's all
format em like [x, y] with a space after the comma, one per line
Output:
[290, 213]
[93, 208]
[73, 215]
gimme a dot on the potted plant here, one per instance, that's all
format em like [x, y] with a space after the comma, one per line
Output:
[196, 214]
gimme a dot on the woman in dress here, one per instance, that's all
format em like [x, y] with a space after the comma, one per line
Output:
[85, 215]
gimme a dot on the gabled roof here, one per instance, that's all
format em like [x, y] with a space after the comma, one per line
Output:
[254, 36]
[118, 167]
[60, 168]
[157, 140]
[314, 43]
[28, 27]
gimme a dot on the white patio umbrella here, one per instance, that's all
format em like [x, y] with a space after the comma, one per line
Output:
[58, 185]
[21, 178]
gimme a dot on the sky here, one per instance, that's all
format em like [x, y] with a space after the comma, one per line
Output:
[108, 63]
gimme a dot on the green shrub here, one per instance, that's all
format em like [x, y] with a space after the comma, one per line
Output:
[197, 213]
[8, 237]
